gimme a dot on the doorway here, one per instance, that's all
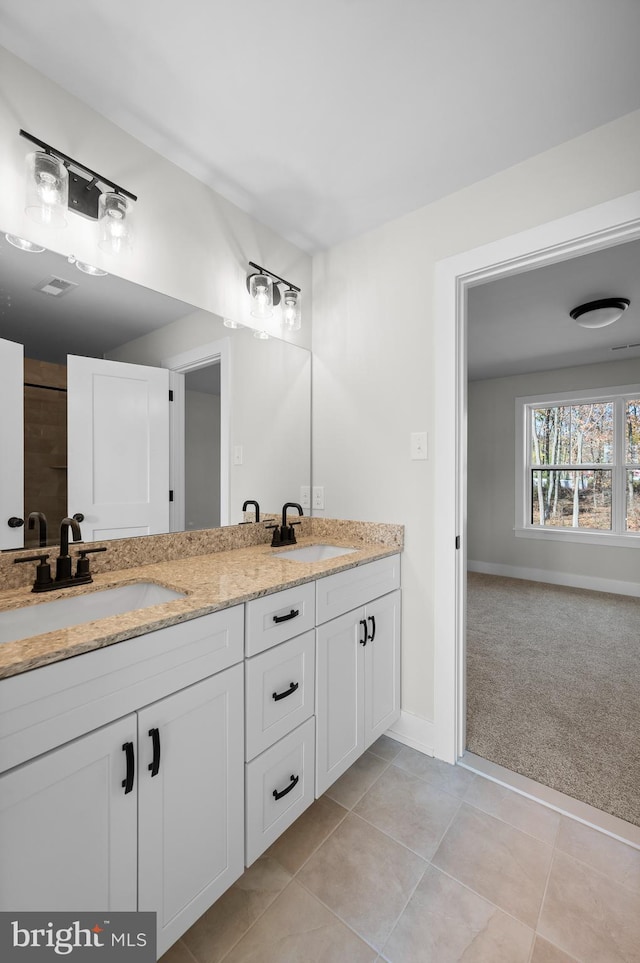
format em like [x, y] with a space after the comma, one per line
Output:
[586, 231]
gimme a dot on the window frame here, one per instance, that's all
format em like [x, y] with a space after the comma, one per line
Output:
[619, 395]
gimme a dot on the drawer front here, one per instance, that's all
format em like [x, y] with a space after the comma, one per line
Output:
[344, 591]
[280, 690]
[47, 707]
[275, 618]
[285, 770]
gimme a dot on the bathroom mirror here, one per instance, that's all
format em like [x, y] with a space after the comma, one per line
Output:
[239, 426]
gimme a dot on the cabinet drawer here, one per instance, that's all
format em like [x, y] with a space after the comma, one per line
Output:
[280, 689]
[275, 618]
[339, 593]
[271, 806]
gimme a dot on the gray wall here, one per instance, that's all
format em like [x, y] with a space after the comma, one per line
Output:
[491, 477]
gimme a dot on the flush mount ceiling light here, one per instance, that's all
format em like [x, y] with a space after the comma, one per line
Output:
[56, 183]
[23, 245]
[598, 314]
[265, 295]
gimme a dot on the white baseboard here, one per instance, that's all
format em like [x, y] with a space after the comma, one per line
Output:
[414, 732]
[591, 582]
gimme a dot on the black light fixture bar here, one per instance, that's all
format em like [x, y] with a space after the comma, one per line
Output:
[276, 277]
[70, 160]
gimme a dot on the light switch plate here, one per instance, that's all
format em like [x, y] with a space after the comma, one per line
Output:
[318, 496]
[305, 496]
[419, 446]
[237, 455]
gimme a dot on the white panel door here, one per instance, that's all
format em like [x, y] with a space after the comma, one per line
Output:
[68, 830]
[118, 442]
[191, 824]
[382, 666]
[11, 442]
[339, 697]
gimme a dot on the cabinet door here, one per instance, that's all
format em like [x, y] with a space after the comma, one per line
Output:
[68, 831]
[191, 828]
[339, 697]
[382, 666]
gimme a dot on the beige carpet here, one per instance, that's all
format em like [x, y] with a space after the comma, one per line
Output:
[553, 687]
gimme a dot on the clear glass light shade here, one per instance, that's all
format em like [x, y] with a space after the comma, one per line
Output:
[90, 269]
[23, 244]
[599, 318]
[115, 223]
[261, 335]
[261, 293]
[291, 310]
[230, 323]
[47, 189]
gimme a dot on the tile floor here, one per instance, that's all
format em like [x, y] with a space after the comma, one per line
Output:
[409, 860]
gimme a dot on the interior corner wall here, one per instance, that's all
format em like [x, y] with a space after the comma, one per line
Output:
[373, 341]
[491, 541]
[190, 242]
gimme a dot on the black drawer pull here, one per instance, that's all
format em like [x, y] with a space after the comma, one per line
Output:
[154, 765]
[283, 695]
[363, 623]
[293, 614]
[127, 782]
[372, 619]
[292, 785]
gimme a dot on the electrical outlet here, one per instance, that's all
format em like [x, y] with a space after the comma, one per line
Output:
[318, 496]
[419, 446]
[305, 496]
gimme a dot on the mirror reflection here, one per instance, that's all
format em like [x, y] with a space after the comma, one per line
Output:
[93, 361]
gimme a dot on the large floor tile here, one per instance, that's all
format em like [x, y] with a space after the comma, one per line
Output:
[363, 876]
[499, 862]
[178, 953]
[297, 843]
[298, 929]
[601, 852]
[231, 916]
[411, 810]
[453, 779]
[386, 748]
[351, 787]
[544, 952]
[512, 808]
[589, 915]
[445, 922]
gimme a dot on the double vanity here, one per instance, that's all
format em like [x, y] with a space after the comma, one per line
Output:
[149, 755]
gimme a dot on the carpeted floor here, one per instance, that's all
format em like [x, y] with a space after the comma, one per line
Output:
[553, 687]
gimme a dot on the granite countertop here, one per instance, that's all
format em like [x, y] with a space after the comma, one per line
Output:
[210, 582]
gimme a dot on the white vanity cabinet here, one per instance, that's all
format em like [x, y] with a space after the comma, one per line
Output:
[279, 706]
[145, 812]
[357, 663]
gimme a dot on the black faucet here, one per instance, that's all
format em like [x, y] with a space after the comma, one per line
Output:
[285, 535]
[63, 562]
[41, 519]
[251, 501]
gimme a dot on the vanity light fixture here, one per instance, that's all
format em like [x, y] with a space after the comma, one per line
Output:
[261, 335]
[230, 323]
[57, 183]
[23, 244]
[265, 295]
[598, 314]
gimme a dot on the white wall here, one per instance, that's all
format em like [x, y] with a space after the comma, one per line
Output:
[191, 244]
[373, 349]
[491, 477]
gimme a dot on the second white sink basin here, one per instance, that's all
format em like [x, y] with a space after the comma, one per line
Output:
[315, 553]
[62, 613]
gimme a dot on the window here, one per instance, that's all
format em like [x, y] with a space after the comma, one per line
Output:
[578, 475]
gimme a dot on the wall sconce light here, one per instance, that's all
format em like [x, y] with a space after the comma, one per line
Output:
[265, 295]
[57, 183]
[598, 314]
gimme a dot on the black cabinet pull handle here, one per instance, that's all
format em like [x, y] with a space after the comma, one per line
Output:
[127, 782]
[15, 522]
[283, 695]
[79, 517]
[292, 785]
[154, 765]
[293, 614]
[363, 623]
[372, 619]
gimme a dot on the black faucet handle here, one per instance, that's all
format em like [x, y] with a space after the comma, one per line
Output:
[83, 572]
[43, 571]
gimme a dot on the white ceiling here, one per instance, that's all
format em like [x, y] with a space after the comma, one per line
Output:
[521, 323]
[326, 119]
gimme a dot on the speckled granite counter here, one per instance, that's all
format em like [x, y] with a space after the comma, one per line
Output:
[223, 577]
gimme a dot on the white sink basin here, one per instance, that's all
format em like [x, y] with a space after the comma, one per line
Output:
[62, 613]
[315, 553]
